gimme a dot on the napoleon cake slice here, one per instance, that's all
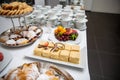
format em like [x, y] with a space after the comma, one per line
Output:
[46, 52]
[74, 57]
[38, 51]
[64, 55]
[67, 46]
[55, 54]
[75, 48]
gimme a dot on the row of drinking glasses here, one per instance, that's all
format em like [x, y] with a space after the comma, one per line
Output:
[67, 16]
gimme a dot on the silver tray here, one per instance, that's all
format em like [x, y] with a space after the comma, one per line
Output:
[61, 73]
[17, 45]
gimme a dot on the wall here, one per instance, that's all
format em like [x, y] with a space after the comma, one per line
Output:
[40, 2]
[88, 4]
[107, 6]
[110, 6]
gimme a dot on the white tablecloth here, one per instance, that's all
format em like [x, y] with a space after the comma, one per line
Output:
[19, 58]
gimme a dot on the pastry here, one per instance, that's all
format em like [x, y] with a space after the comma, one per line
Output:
[24, 33]
[31, 34]
[55, 54]
[33, 28]
[38, 51]
[60, 46]
[38, 31]
[15, 36]
[11, 42]
[48, 75]
[58, 51]
[30, 71]
[15, 8]
[51, 44]
[4, 38]
[22, 41]
[67, 46]
[74, 57]
[75, 48]
[46, 52]
[64, 55]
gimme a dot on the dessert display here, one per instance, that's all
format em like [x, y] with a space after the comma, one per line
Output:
[21, 36]
[60, 51]
[38, 71]
[15, 8]
[65, 34]
[18, 35]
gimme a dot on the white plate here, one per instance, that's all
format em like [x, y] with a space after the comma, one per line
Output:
[77, 41]
[81, 64]
[6, 60]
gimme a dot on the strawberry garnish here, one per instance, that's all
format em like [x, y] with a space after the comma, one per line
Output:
[1, 56]
[46, 44]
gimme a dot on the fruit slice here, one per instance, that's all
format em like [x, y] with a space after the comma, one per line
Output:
[1, 56]
[46, 44]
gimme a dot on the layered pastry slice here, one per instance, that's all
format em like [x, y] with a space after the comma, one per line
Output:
[67, 47]
[74, 57]
[64, 55]
[46, 52]
[55, 54]
[38, 51]
[75, 48]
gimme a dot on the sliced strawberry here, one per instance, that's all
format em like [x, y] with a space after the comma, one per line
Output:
[46, 44]
[1, 56]
[74, 31]
[68, 31]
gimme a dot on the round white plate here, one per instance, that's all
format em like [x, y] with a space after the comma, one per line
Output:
[77, 41]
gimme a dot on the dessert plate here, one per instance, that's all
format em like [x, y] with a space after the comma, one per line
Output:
[77, 41]
[82, 63]
[39, 71]
[19, 30]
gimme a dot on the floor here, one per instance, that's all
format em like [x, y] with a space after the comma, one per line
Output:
[103, 37]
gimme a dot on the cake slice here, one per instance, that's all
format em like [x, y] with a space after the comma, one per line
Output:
[75, 48]
[38, 51]
[67, 47]
[46, 52]
[64, 55]
[74, 57]
[55, 54]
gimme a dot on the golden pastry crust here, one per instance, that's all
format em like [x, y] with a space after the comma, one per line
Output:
[15, 8]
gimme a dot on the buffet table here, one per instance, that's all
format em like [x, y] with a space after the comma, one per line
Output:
[19, 53]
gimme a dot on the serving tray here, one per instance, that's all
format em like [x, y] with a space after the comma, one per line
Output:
[20, 45]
